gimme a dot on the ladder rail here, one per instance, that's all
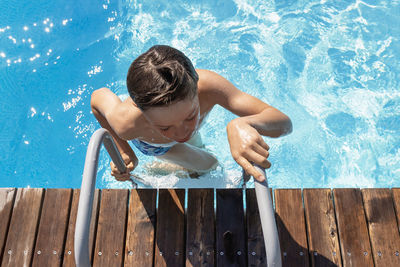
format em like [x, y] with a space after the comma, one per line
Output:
[82, 226]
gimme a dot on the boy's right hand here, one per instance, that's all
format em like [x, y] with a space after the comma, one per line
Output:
[130, 163]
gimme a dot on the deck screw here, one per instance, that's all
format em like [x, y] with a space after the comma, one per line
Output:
[334, 253]
[365, 253]
[190, 253]
[176, 253]
[221, 253]
[239, 253]
[208, 253]
[315, 253]
[160, 253]
[284, 254]
[9, 252]
[396, 253]
[116, 253]
[100, 253]
[25, 252]
[54, 252]
[301, 253]
[69, 252]
[253, 253]
[379, 254]
[348, 253]
[147, 253]
[39, 252]
[130, 252]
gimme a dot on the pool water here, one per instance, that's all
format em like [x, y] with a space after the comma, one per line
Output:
[331, 66]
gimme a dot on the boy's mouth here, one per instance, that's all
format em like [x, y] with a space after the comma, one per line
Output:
[187, 138]
[184, 140]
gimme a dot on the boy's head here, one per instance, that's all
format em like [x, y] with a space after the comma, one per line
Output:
[161, 76]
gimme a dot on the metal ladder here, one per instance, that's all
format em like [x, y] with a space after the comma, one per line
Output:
[81, 242]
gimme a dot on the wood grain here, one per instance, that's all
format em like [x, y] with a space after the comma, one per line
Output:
[170, 242]
[353, 231]
[23, 226]
[110, 238]
[52, 228]
[382, 225]
[230, 228]
[139, 248]
[291, 227]
[323, 238]
[200, 237]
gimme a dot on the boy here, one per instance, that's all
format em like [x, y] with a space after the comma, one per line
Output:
[168, 102]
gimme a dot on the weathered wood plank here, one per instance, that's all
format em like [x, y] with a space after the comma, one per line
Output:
[170, 247]
[52, 228]
[230, 231]
[382, 225]
[69, 253]
[396, 199]
[6, 203]
[353, 232]
[255, 238]
[109, 249]
[200, 228]
[139, 249]
[22, 232]
[323, 237]
[291, 227]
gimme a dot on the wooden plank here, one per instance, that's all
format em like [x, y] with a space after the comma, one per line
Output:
[323, 237]
[170, 247]
[382, 225]
[200, 228]
[6, 203]
[69, 254]
[230, 230]
[396, 199]
[52, 228]
[353, 232]
[291, 227]
[139, 249]
[255, 238]
[111, 228]
[22, 232]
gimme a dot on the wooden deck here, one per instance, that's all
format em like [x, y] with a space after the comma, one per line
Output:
[317, 227]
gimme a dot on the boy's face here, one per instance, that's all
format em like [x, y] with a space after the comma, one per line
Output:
[177, 121]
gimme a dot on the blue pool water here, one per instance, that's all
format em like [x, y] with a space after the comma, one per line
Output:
[332, 66]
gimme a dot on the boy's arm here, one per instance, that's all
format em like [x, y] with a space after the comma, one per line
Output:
[256, 118]
[104, 103]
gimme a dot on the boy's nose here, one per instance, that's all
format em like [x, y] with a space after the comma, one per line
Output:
[182, 132]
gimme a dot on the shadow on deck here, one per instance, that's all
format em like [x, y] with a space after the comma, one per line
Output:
[201, 227]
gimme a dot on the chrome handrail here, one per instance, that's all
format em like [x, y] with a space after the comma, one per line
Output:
[82, 226]
[268, 223]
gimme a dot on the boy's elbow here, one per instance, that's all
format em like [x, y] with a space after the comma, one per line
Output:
[285, 128]
[96, 97]
[288, 127]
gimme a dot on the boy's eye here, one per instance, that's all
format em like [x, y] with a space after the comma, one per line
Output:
[192, 118]
[164, 129]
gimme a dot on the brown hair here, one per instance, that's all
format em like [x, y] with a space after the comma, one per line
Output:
[161, 76]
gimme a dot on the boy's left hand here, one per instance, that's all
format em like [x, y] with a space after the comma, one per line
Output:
[247, 147]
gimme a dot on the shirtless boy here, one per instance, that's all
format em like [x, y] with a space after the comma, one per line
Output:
[168, 102]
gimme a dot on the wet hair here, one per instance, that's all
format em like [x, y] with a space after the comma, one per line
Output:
[161, 76]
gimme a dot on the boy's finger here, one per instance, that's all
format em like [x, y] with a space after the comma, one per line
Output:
[262, 143]
[249, 169]
[261, 150]
[258, 159]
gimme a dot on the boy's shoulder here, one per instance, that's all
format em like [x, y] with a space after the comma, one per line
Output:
[127, 117]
